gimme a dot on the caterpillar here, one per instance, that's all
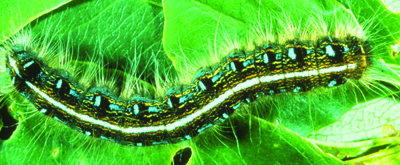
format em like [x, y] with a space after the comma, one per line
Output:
[231, 73]
[187, 110]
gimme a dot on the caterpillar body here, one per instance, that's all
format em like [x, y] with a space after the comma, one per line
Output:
[302, 55]
[185, 111]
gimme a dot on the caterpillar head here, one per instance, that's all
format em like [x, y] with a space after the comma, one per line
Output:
[22, 66]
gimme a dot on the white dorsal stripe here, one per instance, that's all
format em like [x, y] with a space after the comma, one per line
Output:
[189, 118]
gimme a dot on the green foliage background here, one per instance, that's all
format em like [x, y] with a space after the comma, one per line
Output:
[173, 34]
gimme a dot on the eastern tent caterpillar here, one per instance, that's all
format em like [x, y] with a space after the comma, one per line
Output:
[185, 111]
[189, 76]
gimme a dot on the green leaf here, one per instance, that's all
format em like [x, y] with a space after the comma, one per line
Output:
[17, 13]
[125, 33]
[268, 132]
[362, 122]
